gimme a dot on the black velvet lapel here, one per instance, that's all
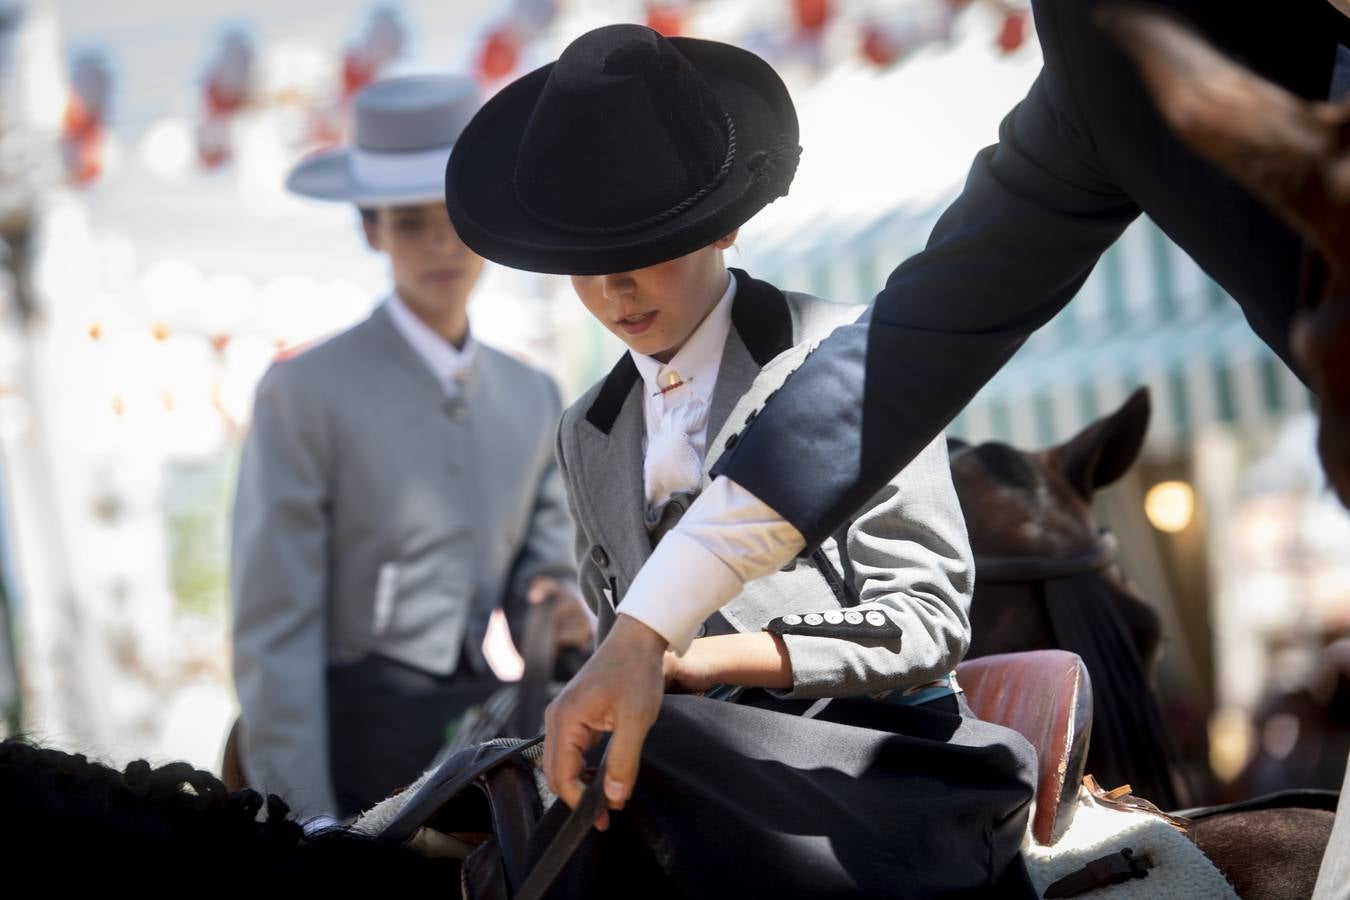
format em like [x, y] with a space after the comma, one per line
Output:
[760, 316]
[620, 380]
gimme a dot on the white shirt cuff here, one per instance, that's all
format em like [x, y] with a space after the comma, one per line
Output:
[681, 584]
[727, 537]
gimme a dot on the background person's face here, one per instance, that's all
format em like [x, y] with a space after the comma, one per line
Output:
[655, 310]
[433, 270]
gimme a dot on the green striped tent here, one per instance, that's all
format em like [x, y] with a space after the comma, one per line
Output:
[1146, 315]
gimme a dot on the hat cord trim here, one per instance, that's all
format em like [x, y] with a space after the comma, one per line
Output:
[650, 220]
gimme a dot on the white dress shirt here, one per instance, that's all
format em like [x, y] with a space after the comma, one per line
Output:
[727, 537]
[676, 436]
[447, 363]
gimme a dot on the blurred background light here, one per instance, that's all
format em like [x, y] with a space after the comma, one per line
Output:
[1170, 505]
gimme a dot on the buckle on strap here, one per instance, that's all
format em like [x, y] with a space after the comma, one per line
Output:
[1107, 870]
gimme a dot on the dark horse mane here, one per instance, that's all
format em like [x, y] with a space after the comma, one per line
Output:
[1131, 742]
[77, 822]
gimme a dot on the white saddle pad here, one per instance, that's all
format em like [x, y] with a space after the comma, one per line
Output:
[1180, 870]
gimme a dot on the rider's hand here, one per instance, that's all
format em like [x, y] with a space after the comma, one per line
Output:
[573, 624]
[618, 690]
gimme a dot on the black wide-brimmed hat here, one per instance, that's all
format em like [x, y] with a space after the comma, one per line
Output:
[630, 150]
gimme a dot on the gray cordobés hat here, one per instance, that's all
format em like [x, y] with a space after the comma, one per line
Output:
[403, 131]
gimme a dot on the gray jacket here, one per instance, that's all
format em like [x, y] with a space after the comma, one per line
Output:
[376, 515]
[910, 554]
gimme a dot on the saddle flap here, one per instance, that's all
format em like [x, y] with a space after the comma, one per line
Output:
[1046, 696]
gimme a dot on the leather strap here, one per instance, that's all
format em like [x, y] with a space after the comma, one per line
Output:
[1106, 870]
[540, 653]
[1124, 800]
[569, 837]
[453, 776]
[1033, 568]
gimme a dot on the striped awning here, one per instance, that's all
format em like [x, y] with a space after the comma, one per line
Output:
[1146, 315]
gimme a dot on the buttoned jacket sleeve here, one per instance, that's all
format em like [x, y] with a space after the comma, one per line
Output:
[911, 562]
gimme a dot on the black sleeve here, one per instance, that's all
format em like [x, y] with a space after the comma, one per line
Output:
[1035, 214]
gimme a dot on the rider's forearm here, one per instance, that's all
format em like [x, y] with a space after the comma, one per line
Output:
[727, 537]
[755, 659]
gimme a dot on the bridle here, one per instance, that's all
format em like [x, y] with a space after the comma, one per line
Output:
[1012, 569]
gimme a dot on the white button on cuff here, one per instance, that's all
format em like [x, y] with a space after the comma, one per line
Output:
[876, 618]
[834, 617]
[793, 619]
[813, 619]
[853, 618]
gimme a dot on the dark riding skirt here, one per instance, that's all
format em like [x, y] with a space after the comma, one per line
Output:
[869, 799]
[387, 721]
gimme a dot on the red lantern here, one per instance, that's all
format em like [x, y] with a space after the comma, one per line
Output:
[1013, 33]
[357, 72]
[82, 153]
[229, 75]
[79, 121]
[812, 16]
[324, 128]
[499, 56]
[82, 125]
[222, 99]
[879, 47]
[667, 18]
[214, 147]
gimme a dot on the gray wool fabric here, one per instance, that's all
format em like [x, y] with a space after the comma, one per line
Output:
[909, 548]
[375, 515]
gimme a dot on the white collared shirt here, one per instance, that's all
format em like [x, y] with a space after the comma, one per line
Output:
[675, 439]
[728, 536]
[447, 363]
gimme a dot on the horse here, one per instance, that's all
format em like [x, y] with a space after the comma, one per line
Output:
[173, 829]
[1046, 577]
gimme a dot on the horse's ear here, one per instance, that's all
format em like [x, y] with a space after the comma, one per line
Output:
[1105, 450]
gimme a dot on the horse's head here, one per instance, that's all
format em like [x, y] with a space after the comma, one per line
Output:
[1029, 514]
[1039, 503]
